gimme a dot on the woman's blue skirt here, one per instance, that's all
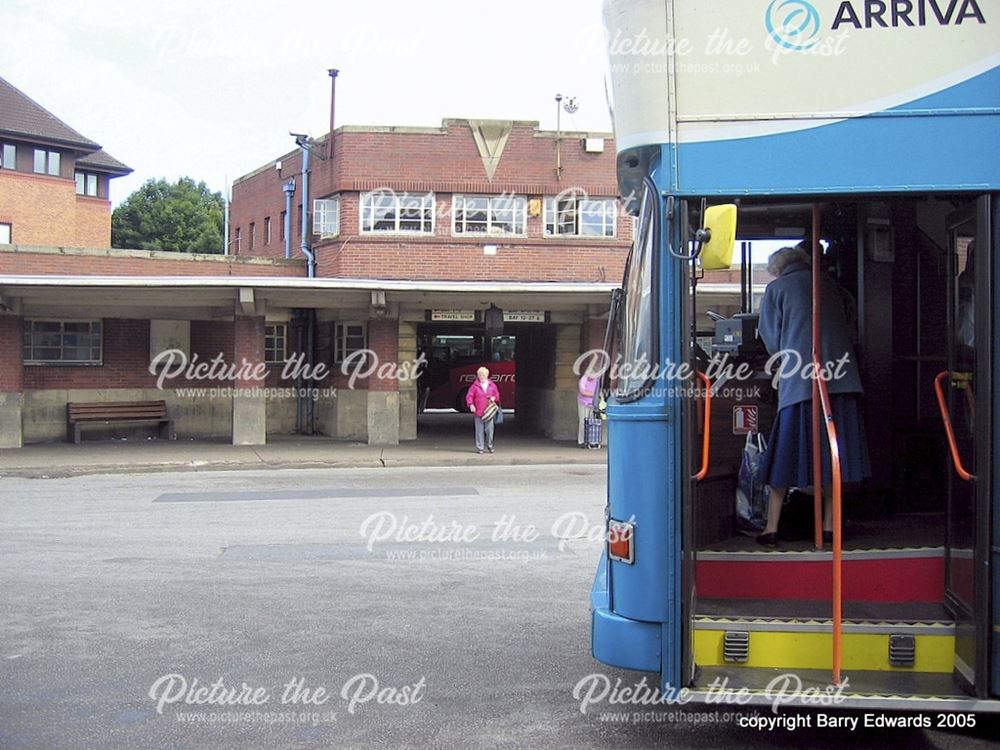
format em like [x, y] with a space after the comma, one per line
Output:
[787, 462]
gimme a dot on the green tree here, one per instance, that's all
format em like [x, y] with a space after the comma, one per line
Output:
[184, 217]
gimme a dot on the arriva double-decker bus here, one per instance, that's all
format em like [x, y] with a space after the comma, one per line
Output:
[870, 130]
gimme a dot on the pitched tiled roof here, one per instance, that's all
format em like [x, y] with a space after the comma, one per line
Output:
[104, 162]
[22, 116]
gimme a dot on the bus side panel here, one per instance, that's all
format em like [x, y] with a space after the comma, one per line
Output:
[629, 602]
[640, 470]
[899, 149]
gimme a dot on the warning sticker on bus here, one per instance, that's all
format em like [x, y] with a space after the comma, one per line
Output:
[744, 419]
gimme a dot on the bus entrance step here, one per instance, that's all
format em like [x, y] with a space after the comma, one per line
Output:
[900, 690]
[806, 643]
[876, 575]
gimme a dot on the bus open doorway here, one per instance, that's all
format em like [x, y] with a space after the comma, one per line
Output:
[915, 610]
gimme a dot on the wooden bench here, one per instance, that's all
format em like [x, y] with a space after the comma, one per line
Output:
[79, 415]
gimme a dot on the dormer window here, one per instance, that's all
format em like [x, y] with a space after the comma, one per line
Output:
[8, 156]
[86, 183]
[47, 162]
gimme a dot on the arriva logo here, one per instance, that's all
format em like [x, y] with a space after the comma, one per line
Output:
[794, 24]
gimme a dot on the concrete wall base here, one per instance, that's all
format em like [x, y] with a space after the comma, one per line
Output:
[11, 405]
[383, 417]
[249, 418]
[44, 413]
[550, 412]
[344, 415]
[408, 414]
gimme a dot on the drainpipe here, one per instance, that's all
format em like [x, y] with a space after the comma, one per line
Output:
[289, 193]
[304, 246]
[333, 100]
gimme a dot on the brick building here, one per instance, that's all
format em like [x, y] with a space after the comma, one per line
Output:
[53, 181]
[414, 234]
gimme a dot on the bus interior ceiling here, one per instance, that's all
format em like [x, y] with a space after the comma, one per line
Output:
[889, 255]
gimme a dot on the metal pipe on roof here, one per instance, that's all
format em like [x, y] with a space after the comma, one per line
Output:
[333, 100]
[289, 189]
[303, 141]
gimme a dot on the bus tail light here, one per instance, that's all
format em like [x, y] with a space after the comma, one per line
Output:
[621, 541]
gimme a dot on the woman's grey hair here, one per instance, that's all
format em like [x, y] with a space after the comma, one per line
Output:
[786, 256]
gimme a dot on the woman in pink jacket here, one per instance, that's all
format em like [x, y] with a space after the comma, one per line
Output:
[481, 394]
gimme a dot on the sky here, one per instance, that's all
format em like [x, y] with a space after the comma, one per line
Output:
[210, 89]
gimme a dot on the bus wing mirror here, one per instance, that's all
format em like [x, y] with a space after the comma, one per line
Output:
[719, 235]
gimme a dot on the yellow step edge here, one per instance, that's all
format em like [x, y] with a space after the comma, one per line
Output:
[813, 650]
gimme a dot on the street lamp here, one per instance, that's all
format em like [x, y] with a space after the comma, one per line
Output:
[571, 106]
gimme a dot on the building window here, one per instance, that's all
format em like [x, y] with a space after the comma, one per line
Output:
[281, 226]
[253, 235]
[348, 339]
[326, 217]
[5, 234]
[8, 156]
[580, 217]
[388, 211]
[276, 343]
[46, 162]
[267, 230]
[237, 239]
[86, 183]
[76, 342]
[492, 215]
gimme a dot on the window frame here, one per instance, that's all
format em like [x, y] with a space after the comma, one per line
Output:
[87, 177]
[642, 264]
[49, 157]
[28, 345]
[274, 335]
[427, 203]
[556, 219]
[519, 215]
[10, 232]
[12, 148]
[267, 230]
[321, 207]
[340, 336]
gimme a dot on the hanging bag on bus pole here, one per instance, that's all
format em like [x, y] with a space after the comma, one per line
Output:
[751, 494]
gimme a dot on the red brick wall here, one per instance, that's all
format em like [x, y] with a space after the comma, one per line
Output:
[248, 350]
[383, 340]
[126, 358]
[31, 261]
[45, 210]
[445, 162]
[11, 367]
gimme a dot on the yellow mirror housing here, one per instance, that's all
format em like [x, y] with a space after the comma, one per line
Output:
[720, 221]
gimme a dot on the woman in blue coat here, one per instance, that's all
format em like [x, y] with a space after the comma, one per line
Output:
[786, 330]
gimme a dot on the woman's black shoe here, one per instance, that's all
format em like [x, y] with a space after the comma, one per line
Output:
[768, 540]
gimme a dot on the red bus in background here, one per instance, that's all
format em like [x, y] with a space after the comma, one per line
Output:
[452, 361]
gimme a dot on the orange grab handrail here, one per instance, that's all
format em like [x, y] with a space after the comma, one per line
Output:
[949, 431]
[831, 433]
[707, 431]
[821, 390]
